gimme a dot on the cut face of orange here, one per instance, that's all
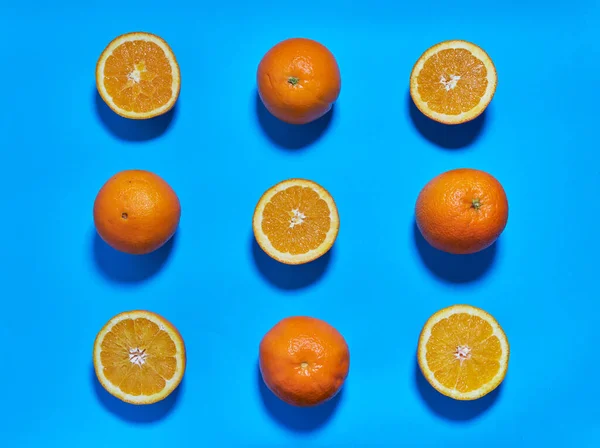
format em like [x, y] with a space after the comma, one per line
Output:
[296, 221]
[463, 352]
[453, 82]
[137, 76]
[139, 357]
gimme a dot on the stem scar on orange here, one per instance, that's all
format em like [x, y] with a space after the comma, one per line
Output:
[453, 82]
[136, 212]
[304, 361]
[296, 221]
[139, 357]
[462, 211]
[298, 80]
[137, 76]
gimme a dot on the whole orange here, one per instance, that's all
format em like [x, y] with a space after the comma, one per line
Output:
[298, 80]
[136, 212]
[304, 360]
[462, 211]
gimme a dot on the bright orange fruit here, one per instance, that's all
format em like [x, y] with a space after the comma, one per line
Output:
[304, 361]
[463, 352]
[462, 211]
[298, 80]
[296, 221]
[137, 76]
[453, 82]
[136, 212]
[139, 357]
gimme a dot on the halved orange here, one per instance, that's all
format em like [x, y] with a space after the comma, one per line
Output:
[463, 352]
[137, 76]
[139, 357]
[296, 221]
[453, 82]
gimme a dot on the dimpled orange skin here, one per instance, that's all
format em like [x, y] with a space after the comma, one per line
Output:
[462, 211]
[304, 361]
[298, 80]
[136, 212]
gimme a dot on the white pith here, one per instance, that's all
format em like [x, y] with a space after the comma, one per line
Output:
[451, 83]
[463, 350]
[288, 258]
[136, 75]
[297, 218]
[138, 357]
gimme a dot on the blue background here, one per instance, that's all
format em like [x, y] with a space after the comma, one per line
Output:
[220, 150]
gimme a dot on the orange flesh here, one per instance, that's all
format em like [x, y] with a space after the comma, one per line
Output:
[467, 92]
[479, 366]
[279, 214]
[133, 337]
[146, 60]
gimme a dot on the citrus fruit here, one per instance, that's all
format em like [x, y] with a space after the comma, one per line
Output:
[462, 211]
[463, 352]
[453, 82]
[296, 221]
[304, 361]
[298, 80]
[136, 212]
[137, 76]
[139, 357]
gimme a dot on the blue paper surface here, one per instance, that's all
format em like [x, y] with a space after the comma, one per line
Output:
[220, 150]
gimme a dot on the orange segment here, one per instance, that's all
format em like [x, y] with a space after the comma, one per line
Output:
[453, 82]
[139, 357]
[296, 221]
[447, 92]
[137, 76]
[463, 352]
